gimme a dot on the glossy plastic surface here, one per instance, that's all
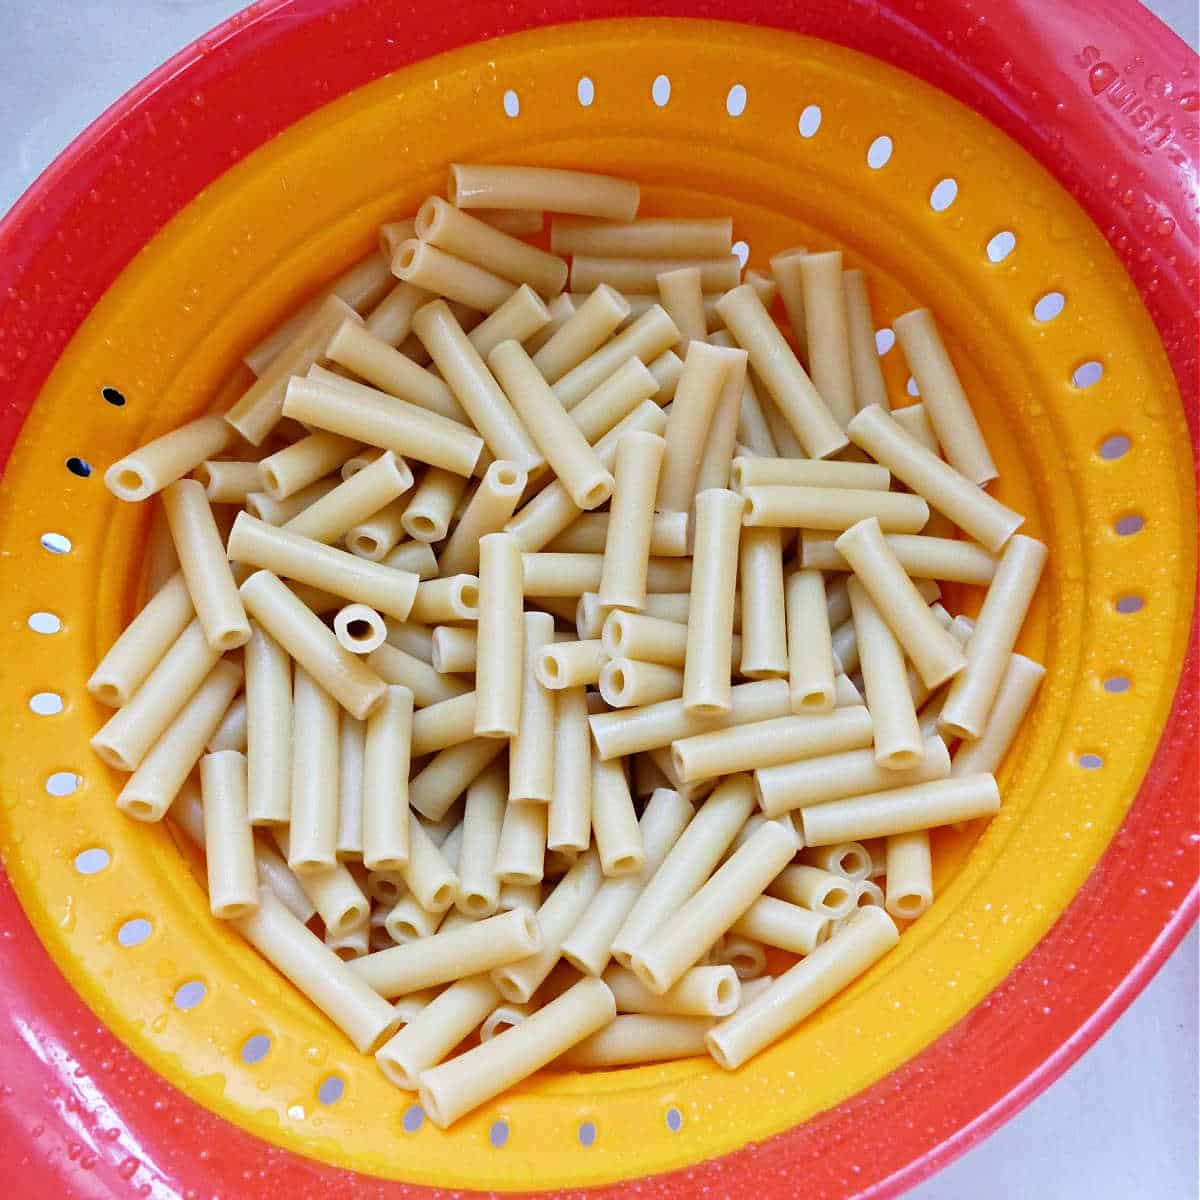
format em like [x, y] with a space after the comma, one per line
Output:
[1020, 370]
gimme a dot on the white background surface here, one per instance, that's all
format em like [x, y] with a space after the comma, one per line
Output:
[1122, 1123]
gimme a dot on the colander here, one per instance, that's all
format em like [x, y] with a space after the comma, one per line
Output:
[1027, 170]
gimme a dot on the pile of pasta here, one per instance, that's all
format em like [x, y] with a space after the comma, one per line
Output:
[548, 664]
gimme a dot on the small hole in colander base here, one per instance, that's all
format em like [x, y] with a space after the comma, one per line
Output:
[79, 466]
[674, 1120]
[585, 91]
[134, 932]
[810, 121]
[1129, 524]
[1091, 762]
[742, 252]
[1116, 684]
[188, 995]
[1087, 374]
[63, 783]
[413, 1119]
[91, 861]
[113, 396]
[1001, 245]
[1049, 306]
[735, 102]
[512, 104]
[944, 193]
[911, 387]
[1130, 604]
[56, 543]
[879, 152]
[660, 91]
[885, 339]
[256, 1048]
[587, 1133]
[46, 704]
[1116, 445]
[498, 1134]
[331, 1089]
[44, 622]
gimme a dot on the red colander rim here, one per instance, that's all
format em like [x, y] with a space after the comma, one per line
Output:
[77, 1109]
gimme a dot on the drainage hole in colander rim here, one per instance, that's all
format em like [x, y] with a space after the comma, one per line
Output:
[113, 396]
[92, 861]
[810, 121]
[255, 1048]
[512, 104]
[1049, 306]
[1115, 446]
[189, 994]
[331, 1090]
[44, 622]
[1001, 245]
[885, 339]
[46, 704]
[134, 932]
[1091, 762]
[674, 1120]
[587, 1133]
[79, 466]
[1116, 684]
[660, 90]
[413, 1119]
[498, 1134]
[1129, 604]
[56, 543]
[1087, 373]
[735, 101]
[63, 783]
[911, 387]
[741, 251]
[585, 91]
[944, 193]
[879, 152]
[1129, 524]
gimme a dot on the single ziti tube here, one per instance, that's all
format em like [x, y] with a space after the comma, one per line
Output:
[520, 316]
[654, 237]
[826, 333]
[153, 466]
[268, 729]
[681, 294]
[312, 834]
[823, 892]
[614, 821]
[921, 556]
[639, 460]
[796, 507]
[569, 821]
[869, 386]
[231, 482]
[909, 874]
[478, 884]
[705, 991]
[446, 275]
[472, 185]
[521, 853]
[531, 765]
[764, 630]
[808, 472]
[785, 270]
[570, 664]
[716, 460]
[775, 922]
[501, 637]
[451, 598]
[1018, 685]
[351, 750]
[809, 645]
[582, 333]
[641, 274]
[359, 628]
[385, 782]
[285, 472]
[492, 504]
[228, 838]
[353, 501]
[625, 682]
[614, 399]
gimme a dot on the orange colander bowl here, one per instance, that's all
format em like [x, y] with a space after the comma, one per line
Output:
[1028, 171]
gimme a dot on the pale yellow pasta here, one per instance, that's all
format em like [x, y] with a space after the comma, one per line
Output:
[569, 820]
[454, 649]
[451, 598]
[561, 309]
[521, 852]
[446, 776]
[764, 628]
[747, 959]
[230, 482]
[231, 733]
[371, 416]
[646, 338]
[933, 650]
[268, 729]
[614, 821]
[625, 682]
[570, 664]
[1018, 686]
[655, 237]
[819, 891]
[520, 895]
[588, 534]
[632, 1038]
[898, 740]
[392, 233]
[666, 369]
[614, 399]
[827, 335]
[391, 319]
[633, 730]
[548, 574]
[793, 785]
[707, 683]
[639, 459]
[450, 277]
[205, 568]
[478, 883]
[780, 371]
[149, 791]
[790, 927]
[704, 991]
[375, 538]
[351, 751]
[785, 271]
[153, 466]
[491, 505]
[943, 397]
[464, 370]
[552, 510]
[721, 439]
[589, 944]
[498, 670]
[354, 943]
[228, 838]
[413, 638]
[901, 810]
[754, 430]
[969, 507]
[531, 762]
[427, 685]
[429, 875]
[143, 643]
[557, 437]
[354, 685]
[693, 793]
[591, 325]
[921, 556]
[455, 1087]
[869, 386]
[291, 555]
[502, 1018]
[440, 224]
[909, 874]
[990, 647]
[372, 358]
[353, 501]
[647, 639]
[862, 941]
[696, 852]
[161, 561]
[782, 434]
[810, 662]
[641, 274]
[809, 473]
[128, 734]
[797, 507]
[280, 512]
[312, 832]
[301, 463]
[408, 920]
[705, 370]
[556, 917]
[362, 287]
[682, 939]
[364, 1017]
[385, 815]
[436, 1027]
[681, 294]
[517, 221]
[556, 190]
[851, 860]
[519, 318]
[262, 405]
